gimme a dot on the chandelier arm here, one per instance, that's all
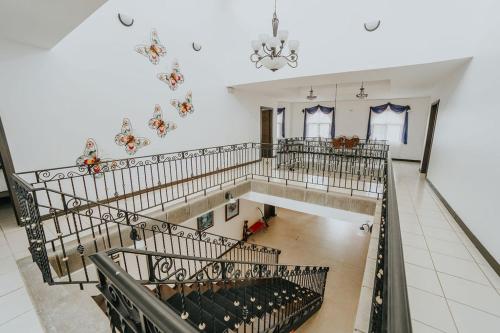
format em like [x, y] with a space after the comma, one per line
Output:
[289, 57]
[254, 57]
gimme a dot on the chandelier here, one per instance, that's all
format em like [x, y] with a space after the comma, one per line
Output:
[362, 94]
[311, 95]
[268, 50]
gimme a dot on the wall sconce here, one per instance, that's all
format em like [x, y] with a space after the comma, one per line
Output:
[125, 20]
[229, 196]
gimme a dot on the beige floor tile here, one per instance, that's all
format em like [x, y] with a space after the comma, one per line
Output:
[26, 323]
[442, 234]
[434, 222]
[418, 257]
[419, 327]
[431, 310]
[413, 240]
[476, 295]
[458, 267]
[10, 282]
[448, 248]
[470, 320]
[422, 278]
[14, 304]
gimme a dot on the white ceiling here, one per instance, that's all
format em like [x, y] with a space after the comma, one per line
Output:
[394, 82]
[43, 23]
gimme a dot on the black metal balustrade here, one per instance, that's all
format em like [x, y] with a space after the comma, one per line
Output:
[224, 295]
[141, 184]
[81, 227]
[73, 213]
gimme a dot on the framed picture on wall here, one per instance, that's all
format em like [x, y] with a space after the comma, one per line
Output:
[232, 210]
[205, 221]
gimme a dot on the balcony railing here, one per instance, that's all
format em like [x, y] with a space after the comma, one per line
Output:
[142, 184]
[70, 213]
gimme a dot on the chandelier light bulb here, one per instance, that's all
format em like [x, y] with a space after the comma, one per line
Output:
[283, 35]
[256, 45]
[293, 45]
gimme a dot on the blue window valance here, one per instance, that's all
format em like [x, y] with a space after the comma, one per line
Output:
[325, 110]
[280, 111]
[395, 108]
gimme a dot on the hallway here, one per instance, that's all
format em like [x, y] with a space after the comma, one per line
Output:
[451, 287]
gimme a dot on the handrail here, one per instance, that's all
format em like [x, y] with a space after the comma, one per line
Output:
[179, 256]
[390, 308]
[152, 308]
[398, 314]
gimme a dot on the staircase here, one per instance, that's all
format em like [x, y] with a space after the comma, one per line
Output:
[222, 296]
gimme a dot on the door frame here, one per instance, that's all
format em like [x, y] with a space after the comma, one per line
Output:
[267, 147]
[8, 169]
[429, 138]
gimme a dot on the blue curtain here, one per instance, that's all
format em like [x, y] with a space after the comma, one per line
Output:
[395, 108]
[325, 110]
[280, 111]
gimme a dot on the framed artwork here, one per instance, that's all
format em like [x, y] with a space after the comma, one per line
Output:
[205, 221]
[232, 210]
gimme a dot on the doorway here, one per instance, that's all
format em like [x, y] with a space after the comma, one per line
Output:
[430, 136]
[7, 197]
[266, 131]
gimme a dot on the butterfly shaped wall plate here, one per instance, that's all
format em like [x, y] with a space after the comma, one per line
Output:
[90, 159]
[153, 51]
[161, 126]
[174, 78]
[184, 107]
[127, 139]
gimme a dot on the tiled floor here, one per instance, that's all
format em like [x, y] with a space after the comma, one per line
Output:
[450, 285]
[17, 313]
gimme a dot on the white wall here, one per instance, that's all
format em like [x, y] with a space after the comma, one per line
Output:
[351, 118]
[52, 101]
[465, 159]
[234, 227]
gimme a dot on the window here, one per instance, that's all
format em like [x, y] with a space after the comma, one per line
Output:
[319, 124]
[279, 125]
[387, 125]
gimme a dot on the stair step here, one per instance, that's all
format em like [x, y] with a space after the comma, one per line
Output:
[195, 318]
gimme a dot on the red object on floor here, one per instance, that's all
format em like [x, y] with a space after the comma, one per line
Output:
[256, 227]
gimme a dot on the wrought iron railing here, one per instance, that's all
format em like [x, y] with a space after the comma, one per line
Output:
[281, 291]
[390, 310]
[79, 227]
[142, 184]
[72, 212]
